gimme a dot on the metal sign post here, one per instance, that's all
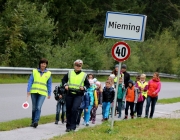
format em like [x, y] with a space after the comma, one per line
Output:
[120, 52]
[115, 98]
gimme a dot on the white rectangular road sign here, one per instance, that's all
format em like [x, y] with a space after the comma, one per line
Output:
[125, 26]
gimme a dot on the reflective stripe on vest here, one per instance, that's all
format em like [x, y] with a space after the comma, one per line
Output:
[76, 80]
[143, 85]
[40, 82]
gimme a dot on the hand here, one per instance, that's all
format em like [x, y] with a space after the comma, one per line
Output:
[81, 88]
[49, 97]
[28, 94]
[86, 110]
[154, 93]
[60, 96]
[66, 87]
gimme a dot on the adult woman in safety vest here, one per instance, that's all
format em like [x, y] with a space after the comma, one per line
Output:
[75, 82]
[39, 87]
[142, 85]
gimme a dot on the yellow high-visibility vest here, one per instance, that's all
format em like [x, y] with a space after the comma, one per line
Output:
[75, 81]
[121, 75]
[143, 85]
[40, 82]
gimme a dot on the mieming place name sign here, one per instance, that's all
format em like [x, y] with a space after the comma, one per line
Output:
[125, 26]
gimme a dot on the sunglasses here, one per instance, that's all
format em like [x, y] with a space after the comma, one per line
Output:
[78, 65]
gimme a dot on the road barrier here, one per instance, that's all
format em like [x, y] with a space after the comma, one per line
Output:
[23, 70]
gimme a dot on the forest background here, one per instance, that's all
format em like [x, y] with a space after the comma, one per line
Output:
[65, 30]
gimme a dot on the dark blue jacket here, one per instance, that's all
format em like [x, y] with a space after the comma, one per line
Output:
[85, 101]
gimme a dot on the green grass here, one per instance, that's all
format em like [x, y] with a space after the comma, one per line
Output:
[7, 79]
[25, 122]
[137, 129]
[169, 100]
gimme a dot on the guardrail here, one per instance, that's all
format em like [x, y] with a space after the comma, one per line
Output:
[23, 70]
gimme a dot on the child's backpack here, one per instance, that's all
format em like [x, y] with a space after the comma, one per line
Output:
[84, 101]
[59, 90]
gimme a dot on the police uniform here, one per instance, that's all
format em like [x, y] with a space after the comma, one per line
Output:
[74, 80]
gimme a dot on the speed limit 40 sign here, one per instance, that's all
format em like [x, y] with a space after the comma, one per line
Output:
[120, 51]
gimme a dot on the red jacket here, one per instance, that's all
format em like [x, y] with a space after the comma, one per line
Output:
[154, 86]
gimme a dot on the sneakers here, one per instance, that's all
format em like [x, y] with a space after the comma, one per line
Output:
[77, 125]
[146, 117]
[87, 124]
[93, 122]
[68, 130]
[125, 118]
[56, 122]
[119, 116]
[84, 123]
[132, 117]
[35, 124]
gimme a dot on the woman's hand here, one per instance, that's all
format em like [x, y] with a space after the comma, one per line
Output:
[28, 94]
[49, 97]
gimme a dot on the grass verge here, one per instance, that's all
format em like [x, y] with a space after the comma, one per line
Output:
[169, 100]
[7, 79]
[25, 122]
[138, 129]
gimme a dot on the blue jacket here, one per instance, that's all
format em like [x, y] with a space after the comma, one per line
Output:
[31, 81]
[85, 101]
[90, 91]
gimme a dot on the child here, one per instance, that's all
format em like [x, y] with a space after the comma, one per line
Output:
[131, 98]
[93, 101]
[61, 104]
[142, 85]
[135, 83]
[120, 95]
[84, 105]
[98, 94]
[108, 97]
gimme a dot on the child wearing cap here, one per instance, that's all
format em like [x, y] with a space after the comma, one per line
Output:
[131, 97]
[93, 102]
[98, 94]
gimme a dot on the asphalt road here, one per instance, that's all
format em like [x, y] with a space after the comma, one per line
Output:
[13, 95]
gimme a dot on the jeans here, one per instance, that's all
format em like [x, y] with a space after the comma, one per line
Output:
[119, 101]
[152, 101]
[73, 103]
[106, 108]
[87, 114]
[139, 107]
[60, 106]
[37, 102]
[78, 119]
[131, 105]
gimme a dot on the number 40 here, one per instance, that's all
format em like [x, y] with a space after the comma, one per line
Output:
[121, 52]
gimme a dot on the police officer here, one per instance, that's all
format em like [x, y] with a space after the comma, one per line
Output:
[75, 82]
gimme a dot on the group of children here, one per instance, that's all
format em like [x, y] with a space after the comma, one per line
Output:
[133, 96]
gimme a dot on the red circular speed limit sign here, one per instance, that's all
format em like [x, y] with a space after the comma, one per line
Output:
[120, 51]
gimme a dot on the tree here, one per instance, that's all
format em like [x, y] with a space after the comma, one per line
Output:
[27, 33]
